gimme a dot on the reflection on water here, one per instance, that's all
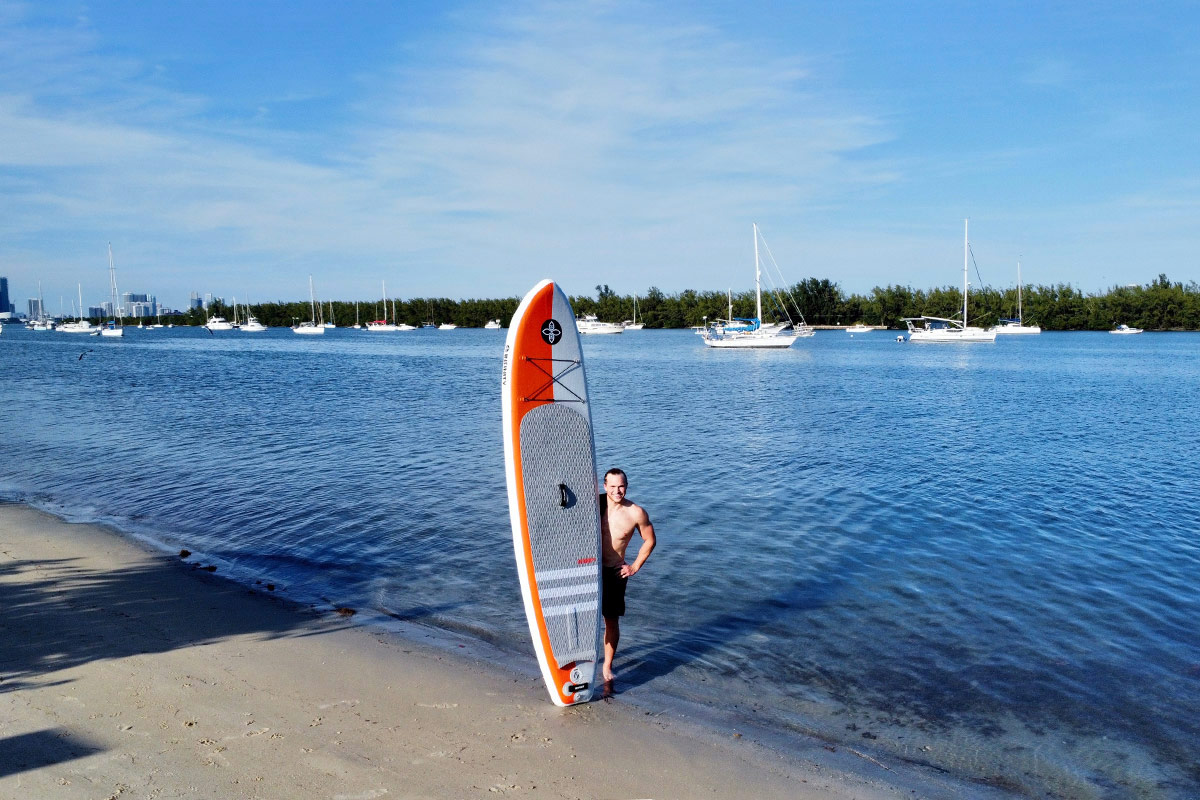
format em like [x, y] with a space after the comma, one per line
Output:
[977, 557]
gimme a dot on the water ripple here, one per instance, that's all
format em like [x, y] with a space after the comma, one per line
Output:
[985, 557]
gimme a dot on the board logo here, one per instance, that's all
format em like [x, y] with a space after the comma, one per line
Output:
[552, 332]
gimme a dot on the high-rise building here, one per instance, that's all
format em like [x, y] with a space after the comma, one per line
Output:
[194, 301]
[6, 306]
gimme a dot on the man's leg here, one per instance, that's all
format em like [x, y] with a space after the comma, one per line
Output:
[612, 635]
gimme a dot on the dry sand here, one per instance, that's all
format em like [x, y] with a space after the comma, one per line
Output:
[130, 674]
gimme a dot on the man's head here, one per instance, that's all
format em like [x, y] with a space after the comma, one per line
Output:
[615, 484]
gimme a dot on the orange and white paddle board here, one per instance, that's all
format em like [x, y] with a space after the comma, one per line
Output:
[550, 461]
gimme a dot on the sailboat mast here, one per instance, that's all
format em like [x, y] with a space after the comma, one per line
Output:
[1020, 315]
[312, 302]
[112, 284]
[966, 248]
[757, 280]
[79, 286]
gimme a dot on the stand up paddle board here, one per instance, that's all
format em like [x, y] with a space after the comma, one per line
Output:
[550, 462]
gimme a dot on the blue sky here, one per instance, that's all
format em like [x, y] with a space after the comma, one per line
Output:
[470, 149]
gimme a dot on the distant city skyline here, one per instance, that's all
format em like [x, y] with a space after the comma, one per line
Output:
[467, 149]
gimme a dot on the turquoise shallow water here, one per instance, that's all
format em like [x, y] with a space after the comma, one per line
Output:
[979, 558]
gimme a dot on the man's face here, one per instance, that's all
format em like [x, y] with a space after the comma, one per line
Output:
[614, 487]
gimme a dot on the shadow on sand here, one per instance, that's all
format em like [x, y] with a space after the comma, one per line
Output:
[27, 751]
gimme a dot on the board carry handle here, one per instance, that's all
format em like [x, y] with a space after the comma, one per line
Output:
[564, 495]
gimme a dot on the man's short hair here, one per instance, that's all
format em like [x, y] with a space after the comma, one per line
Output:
[616, 471]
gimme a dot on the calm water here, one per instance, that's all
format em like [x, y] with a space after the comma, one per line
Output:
[983, 558]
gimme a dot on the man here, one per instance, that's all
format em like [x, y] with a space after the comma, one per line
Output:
[619, 519]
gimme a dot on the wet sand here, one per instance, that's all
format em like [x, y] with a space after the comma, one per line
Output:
[127, 673]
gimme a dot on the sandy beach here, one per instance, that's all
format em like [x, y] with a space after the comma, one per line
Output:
[132, 674]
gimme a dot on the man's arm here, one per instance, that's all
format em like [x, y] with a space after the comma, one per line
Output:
[646, 530]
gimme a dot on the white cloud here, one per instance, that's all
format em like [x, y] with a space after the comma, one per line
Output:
[578, 139]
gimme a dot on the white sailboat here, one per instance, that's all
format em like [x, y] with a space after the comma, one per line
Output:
[310, 328]
[633, 324]
[739, 333]
[42, 322]
[356, 326]
[1016, 325]
[940, 330]
[80, 325]
[113, 328]
[382, 325]
[331, 323]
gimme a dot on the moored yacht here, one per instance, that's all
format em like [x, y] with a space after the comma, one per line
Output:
[753, 333]
[312, 327]
[940, 330]
[590, 324]
[1016, 326]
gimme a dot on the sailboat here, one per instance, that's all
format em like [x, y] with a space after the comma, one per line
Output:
[633, 324]
[1016, 325]
[310, 328]
[942, 330]
[80, 325]
[113, 328]
[331, 323]
[356, 326]
[383, 324]
[741, 333]
[42, 323]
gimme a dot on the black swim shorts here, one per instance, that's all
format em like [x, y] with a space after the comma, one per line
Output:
[614, 592]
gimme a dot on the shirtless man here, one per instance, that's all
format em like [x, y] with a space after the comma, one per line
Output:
[619, 519]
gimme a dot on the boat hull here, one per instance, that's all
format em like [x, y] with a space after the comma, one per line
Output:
[749, 342]
[951, 337]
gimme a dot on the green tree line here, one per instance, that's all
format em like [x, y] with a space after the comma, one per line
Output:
[1159, 305]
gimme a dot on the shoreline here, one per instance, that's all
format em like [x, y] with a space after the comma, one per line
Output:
[125, 670]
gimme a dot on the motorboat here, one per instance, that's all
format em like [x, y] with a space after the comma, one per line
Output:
[591, 325]
[859, 328]
[492, 325]
[1125, 329]
[218, 324]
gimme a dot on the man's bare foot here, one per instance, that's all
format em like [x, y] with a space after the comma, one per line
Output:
[608, 691]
